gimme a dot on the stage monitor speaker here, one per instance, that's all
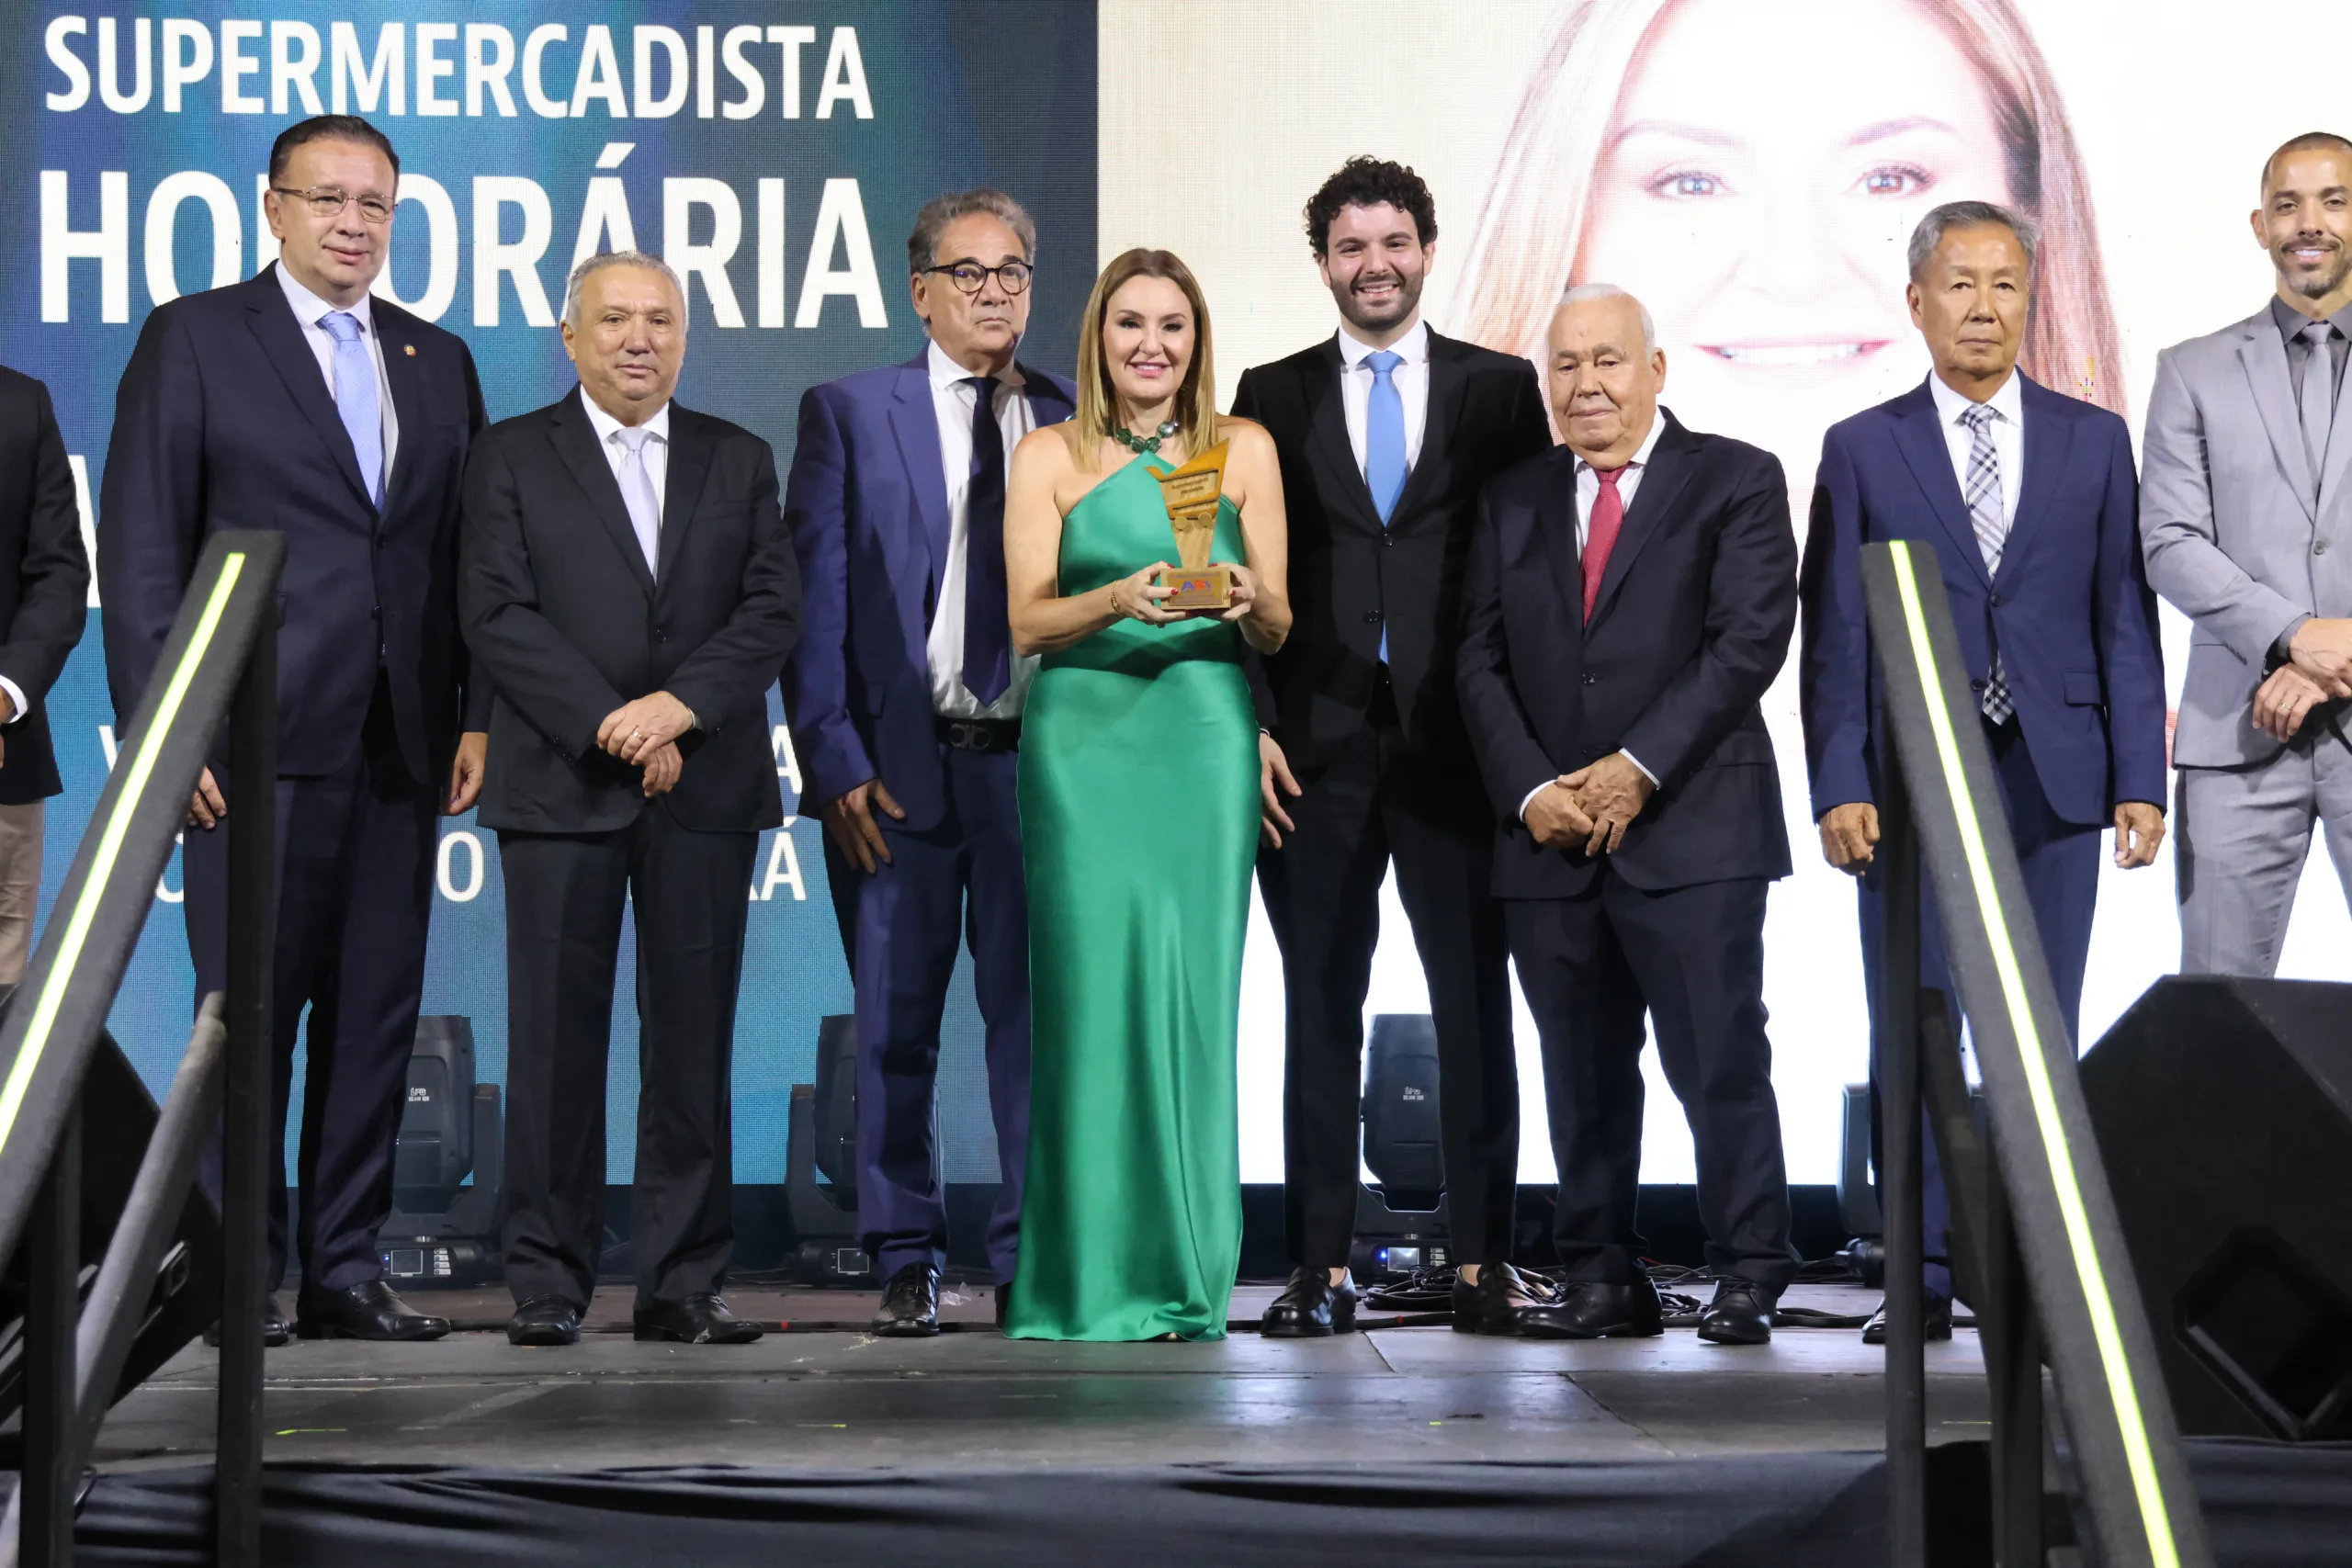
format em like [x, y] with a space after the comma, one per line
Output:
[2223, 1110]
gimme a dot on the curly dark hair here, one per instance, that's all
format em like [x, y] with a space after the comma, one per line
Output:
[1370, 182]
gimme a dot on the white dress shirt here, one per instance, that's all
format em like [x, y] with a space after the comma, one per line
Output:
[955, 401]
[1412, 379]
[2008, 431]
[1588, 492]
[309, 310]
[655, 457]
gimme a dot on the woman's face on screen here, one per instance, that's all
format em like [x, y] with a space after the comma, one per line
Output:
[1764, 171]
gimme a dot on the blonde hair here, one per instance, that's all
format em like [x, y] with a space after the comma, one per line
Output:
[1098, 411]
[1539, 207]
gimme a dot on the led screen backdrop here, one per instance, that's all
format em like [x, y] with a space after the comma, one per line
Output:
[1749, 168]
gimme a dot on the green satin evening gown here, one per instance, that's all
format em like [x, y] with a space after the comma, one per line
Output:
[1139, 826]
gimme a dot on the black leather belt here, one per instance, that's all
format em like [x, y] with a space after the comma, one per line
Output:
[989, 735]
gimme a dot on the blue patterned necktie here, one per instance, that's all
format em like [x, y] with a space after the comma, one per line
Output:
[1383, 446]
[356, 400]
[1992, 534]
[987, 632]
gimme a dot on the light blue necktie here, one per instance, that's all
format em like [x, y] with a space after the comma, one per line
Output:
[355, 398]
[1383, 446]
[636, 494]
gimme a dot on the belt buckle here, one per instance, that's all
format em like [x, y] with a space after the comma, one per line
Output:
[965, 736]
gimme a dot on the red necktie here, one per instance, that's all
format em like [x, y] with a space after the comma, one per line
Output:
[1600, 532]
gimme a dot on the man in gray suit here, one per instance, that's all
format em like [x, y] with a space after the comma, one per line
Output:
[2245, 511]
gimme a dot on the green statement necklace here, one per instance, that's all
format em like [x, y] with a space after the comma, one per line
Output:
[1144, 444]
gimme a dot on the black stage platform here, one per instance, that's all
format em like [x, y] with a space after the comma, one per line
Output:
[1403, 1446]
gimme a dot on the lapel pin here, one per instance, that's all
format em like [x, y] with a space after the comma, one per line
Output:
[409, 349]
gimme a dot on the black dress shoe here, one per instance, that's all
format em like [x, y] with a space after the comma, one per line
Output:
[1497, 1302]
[544, 1321]
[275, 1329]
[1588, 1309]
[703, 1318]
[909, 1304]
[1741, 1314]
[1311, 1307]
[370, 1310]
[1937, 1319]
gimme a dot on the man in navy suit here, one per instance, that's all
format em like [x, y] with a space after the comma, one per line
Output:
[905, 701]
[2030, 501]
[296, 401]
[1631, 595]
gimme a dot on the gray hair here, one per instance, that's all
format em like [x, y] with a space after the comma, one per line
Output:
[1968, 215]
[922, 244]
[591, 266]
[1584, 291]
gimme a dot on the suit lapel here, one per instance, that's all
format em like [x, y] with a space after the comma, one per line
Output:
[2049, 433]
[689, 466]
[1919, 436]
[2264, 355]
[574, 440]
[1662, 484]
[272, 320]
[1333, 455]
[915, 422]
[1447, 376]
[1557, 523]
[408, 397]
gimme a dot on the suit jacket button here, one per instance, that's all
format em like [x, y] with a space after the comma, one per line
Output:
[2319, 547]
[1371, 617]
[1589, 678]
[1976, 685]
[1996, 601]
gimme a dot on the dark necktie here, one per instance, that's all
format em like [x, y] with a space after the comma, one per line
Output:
[988, 640]
[2319, 398]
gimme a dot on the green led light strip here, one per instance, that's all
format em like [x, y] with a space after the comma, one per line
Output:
[2154, 1518]
[93, 888]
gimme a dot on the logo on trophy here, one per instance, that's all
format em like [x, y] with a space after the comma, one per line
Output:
[1191, 494]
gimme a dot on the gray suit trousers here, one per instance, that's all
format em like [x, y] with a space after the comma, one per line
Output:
[2241, 837]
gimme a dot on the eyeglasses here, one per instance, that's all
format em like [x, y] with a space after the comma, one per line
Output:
[969, 276]
[326, 201]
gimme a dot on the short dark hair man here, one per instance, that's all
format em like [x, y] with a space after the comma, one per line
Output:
[2027, 499]
[1386, 432]
[296, 401]
[2243, 499]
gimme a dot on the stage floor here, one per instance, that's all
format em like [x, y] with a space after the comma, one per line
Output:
[972, 1401]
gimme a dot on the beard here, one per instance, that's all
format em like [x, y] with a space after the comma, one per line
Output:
[2317, 285]
[1379, 318]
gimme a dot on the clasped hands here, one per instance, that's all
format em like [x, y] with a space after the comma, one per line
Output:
[1596, 804]
[645, 733]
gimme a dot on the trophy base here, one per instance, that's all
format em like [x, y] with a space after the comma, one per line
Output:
[1198, 588]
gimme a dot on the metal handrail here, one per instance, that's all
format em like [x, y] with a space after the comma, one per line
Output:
[219, 661]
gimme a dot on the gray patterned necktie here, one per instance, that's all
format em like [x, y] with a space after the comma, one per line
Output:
[2319, 398]
[1992, 534]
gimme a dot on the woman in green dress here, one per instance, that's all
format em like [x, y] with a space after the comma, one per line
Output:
[1140, 805]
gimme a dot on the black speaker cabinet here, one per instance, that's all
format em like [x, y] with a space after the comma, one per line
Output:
[2223, 1110]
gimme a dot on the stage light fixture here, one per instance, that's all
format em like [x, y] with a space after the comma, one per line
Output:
[443, 1231]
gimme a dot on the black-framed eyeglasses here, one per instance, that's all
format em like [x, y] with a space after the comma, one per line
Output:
[328, 201]
[970, 276]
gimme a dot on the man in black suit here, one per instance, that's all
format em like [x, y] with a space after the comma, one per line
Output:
[296, 401]
[44, 582]
[1631, 597]
[1386, 432]
[631, 590]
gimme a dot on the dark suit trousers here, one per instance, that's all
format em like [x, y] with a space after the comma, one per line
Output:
[902, 927]
[1692, 959]
[1375, 800]
[565, 893]
[2059, 862]
[355, 897]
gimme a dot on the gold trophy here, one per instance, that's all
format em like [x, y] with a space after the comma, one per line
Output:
[1191, 494]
